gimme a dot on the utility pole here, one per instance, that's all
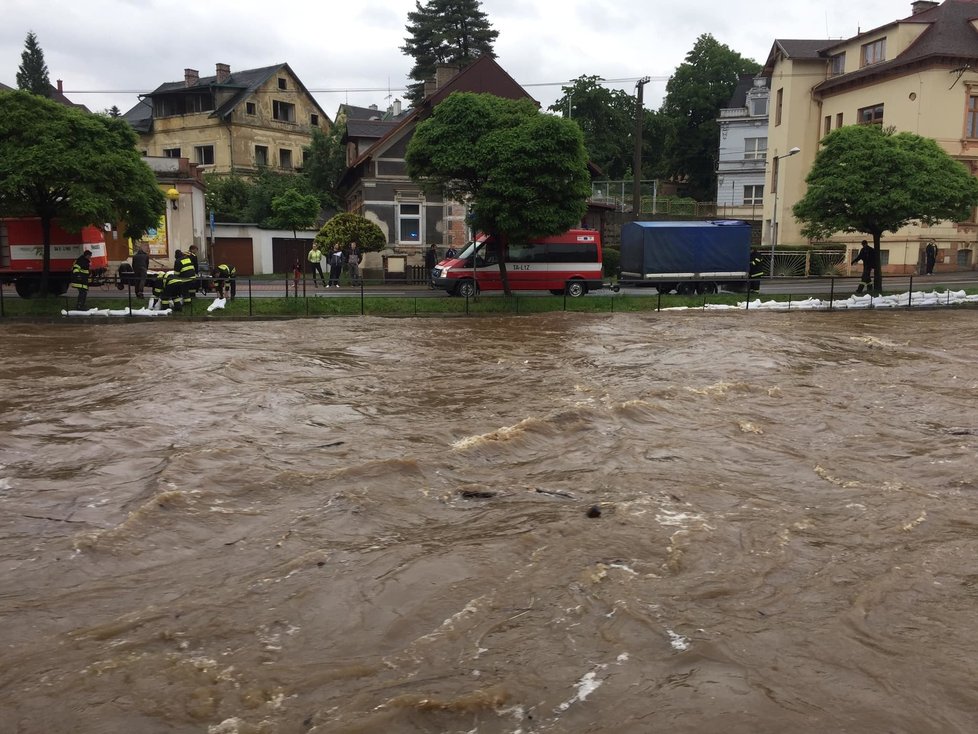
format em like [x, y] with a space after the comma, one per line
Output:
[637, 161]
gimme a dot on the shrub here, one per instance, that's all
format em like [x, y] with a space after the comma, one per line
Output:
[345, 227]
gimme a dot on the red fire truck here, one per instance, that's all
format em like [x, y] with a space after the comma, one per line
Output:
[22, 254]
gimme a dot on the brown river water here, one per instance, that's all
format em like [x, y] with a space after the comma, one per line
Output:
[675, 522]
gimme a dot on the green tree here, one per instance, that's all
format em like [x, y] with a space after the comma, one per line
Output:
[292, 210]
[324, 164]
[454, 32]
[607, 119]
[866, 179]
[83, 169]
[346, 227]
[32, 74]
[522, 173]
[701, 85]
[265, 187]
[227, 197]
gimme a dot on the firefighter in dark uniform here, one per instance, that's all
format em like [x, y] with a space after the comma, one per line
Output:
[224, 274]
[186, 277]
[80, 273]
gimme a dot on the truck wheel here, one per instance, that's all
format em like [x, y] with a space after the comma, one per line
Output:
[58, 286]
[576, 288]
[27, 287]
[686, 289]
[705, 288]
[466, 289]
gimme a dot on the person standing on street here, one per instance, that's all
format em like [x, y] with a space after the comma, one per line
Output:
[315, 257]
[930, 253]
[140, 268]
[335, 266]
[867, 256]
[430, 260]
[80, 273]
[354, 258]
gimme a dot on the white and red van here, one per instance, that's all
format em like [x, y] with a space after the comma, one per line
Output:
[566, 263]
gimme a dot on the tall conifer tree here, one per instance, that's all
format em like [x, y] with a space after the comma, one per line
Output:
[32, 74]
[454, 32]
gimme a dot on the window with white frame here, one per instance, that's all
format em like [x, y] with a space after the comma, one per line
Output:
[755, 149]
[409, 222]
[758, 106]
[754, 195]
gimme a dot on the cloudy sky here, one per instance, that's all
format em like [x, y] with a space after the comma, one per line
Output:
[108, 51]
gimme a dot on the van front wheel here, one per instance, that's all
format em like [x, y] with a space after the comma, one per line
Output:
[576, 288]
[466, 289]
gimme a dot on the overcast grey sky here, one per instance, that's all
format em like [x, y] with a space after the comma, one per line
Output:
[108, 51]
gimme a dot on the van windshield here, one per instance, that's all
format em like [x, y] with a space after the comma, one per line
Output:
[467, 252]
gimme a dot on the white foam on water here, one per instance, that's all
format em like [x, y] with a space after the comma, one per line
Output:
[587, 685]
[677, 641]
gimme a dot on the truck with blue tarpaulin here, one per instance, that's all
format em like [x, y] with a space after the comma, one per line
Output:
[686, 256]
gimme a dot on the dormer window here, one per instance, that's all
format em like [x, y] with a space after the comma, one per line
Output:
[837, 64]
[873, 52]
[282, 84]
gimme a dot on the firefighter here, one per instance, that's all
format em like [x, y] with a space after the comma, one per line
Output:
[80, 273]
[155, 281]
[172, 290]
[224, 274]
[185, 279]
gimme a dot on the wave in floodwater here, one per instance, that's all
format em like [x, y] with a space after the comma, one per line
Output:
[559, 523]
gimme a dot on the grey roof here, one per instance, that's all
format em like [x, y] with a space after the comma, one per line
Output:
[246, 82]
[5, 88]
[369, 128]
[949, 36]
[739, 97]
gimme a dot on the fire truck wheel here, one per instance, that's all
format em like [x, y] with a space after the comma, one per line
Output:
[27, 287]
[576, 288]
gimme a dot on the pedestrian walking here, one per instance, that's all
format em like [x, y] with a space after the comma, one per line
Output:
[867, 256]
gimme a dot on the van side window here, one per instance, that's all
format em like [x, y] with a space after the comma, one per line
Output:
[566, 252]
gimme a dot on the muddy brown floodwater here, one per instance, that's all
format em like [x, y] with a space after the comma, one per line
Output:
[382, 525]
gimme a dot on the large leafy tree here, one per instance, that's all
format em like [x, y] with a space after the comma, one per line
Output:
[294, 210]
[523, 173]
[83, 169]
[265, 187]
[324, 163]
[871, 180]
[607, 119]
[227, 197]
[701, 85]
[454, 32]
[32, 74]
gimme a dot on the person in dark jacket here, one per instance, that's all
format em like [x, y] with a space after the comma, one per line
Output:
[335, 266]
[867, 256]
[140, 267]
[930, 253]
[430, 260]
[80, 273]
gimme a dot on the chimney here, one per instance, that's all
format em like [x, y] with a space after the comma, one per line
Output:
[919, 6]
[60, 89]
[444, 74]
[223, 73]
[190, 77]
[395, 109]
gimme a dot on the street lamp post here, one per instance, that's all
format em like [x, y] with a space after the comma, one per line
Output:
[774, 213]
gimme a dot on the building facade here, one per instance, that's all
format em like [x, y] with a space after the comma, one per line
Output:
[918, 74]
[743, 150]
[232, 122]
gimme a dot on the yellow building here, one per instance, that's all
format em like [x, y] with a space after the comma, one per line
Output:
[914, 75]
[232, 122]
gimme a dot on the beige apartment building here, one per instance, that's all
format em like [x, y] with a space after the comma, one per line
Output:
[918, 74]
[231, 122]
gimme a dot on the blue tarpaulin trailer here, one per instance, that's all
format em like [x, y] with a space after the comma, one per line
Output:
[686, 256]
